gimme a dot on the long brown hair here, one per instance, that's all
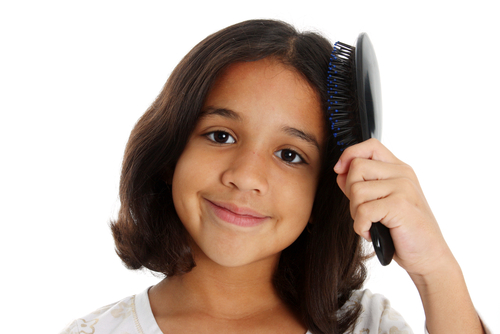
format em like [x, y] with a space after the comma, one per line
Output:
[317, 274]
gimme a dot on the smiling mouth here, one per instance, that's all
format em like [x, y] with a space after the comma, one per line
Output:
[235, 215]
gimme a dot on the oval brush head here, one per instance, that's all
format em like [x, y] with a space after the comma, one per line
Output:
[355, 109]
[354, 103]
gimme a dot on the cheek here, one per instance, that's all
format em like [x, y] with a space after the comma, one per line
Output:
[194, 173]
[184, 179]
[295, 201]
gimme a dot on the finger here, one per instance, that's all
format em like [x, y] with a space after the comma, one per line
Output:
[368, 191]
[370, 149]
[403, 201]
[361, 170]
[368, 213]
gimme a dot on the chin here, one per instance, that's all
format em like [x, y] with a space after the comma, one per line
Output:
[232, 257]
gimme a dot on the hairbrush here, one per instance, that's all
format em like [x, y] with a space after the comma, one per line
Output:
[355, 108]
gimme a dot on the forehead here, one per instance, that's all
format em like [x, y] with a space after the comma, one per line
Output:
[269, 72]
[266, 87]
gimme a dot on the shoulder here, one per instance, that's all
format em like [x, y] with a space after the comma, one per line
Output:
[119, 317]
[377, 315]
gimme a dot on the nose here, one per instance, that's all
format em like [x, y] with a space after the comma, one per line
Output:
[247, 171]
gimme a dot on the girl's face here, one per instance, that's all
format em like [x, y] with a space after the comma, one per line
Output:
[245, 184]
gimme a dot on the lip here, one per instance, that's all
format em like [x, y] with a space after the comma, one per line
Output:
[235, 215]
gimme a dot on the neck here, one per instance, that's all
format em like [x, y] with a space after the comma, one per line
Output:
[220, 292]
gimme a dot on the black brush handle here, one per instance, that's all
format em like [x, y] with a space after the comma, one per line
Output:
[382, 243]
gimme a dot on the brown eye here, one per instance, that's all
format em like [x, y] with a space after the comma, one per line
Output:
[221, 137]
[289, 156]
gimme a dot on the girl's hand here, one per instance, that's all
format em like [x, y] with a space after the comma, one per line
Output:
[382, 188]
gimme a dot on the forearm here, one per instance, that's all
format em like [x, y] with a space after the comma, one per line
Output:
[446, 300]
[383, 188]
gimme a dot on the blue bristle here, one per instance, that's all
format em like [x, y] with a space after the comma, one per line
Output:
[338, 95]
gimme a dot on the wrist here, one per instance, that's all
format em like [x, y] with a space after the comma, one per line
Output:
[441, 274]
[446, 300]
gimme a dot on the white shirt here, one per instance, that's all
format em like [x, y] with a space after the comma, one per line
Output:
[133, 315]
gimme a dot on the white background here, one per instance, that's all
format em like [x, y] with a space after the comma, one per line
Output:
[75, 77]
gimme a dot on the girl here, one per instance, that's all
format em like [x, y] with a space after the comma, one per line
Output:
[231, 188]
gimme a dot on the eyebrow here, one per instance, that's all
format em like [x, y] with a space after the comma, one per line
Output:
[294, 132]
[227, 113]
[310, 138]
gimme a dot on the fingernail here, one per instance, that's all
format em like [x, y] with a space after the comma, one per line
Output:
[367, 237]
[337, 165]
